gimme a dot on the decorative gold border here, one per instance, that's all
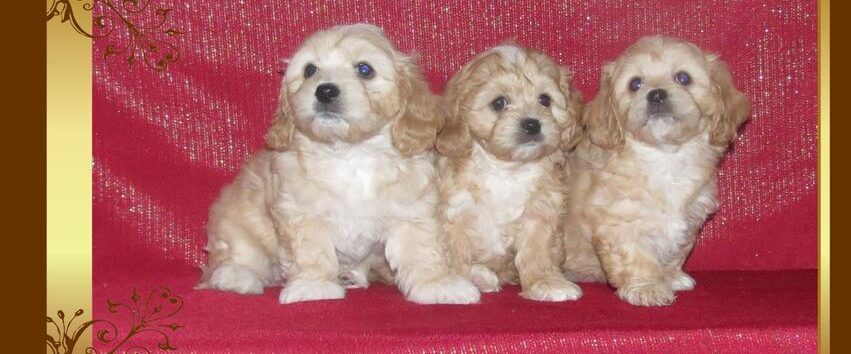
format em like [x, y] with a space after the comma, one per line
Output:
[69, 73]
[69, 174]
[69, 183]
[148, 315]
[824, 176]
[146, 29]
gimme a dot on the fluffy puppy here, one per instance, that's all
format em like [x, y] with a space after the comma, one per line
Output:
[347, 182]
[512, 111]
[644, 183]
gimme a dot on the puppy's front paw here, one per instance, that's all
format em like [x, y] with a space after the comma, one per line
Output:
[236, 278]
[485, 279]
[308, 290]
[682, 281]
[552, 289]
[445, 290]
[651, 294]
[352, 279]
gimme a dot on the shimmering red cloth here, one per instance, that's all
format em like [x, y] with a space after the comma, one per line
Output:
[166, 142]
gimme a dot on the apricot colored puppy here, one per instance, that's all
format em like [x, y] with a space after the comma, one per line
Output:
[644, 183]
[347, 185]
[511, 112]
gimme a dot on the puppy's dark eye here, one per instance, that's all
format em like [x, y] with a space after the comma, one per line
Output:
[365, 70]
[682, 78]
[635, 84]
[499, 103]
[544, 100]
[309, 70]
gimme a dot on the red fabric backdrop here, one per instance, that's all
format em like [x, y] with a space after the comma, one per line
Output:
[165, 142]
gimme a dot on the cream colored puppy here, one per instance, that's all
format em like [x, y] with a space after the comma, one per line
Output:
[644, 183]
[511, 111]
[347, 183]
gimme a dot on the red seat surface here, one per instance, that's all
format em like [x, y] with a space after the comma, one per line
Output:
[729, 312]
[166, 142]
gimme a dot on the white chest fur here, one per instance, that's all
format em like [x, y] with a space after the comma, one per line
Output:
[505, 186]
[677, 173]
[358, 190]
[681, 181]
[503, 189]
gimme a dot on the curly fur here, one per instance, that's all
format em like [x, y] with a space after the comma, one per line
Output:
[502, 199]
[343, 191]
[643, 184]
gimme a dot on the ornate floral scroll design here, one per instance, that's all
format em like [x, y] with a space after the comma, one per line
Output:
[145, 39]
[153, 316]
[65, 11]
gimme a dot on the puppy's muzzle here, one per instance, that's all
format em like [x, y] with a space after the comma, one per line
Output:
[657, 100]
[530, 126]
[530, 129]
[657, 96]
[327, 93]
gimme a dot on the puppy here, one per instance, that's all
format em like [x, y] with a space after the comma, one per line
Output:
[347, 182]
[512, 111]
[644, 183]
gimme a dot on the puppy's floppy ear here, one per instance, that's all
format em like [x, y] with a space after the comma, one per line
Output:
[415, 129]
[602, 117]
[573, 133]
[731, 107]
[281, 132]
[454, 139]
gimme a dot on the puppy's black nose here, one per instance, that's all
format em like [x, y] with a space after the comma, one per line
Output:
[531, 126]
[326, 93]
[657, 96]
